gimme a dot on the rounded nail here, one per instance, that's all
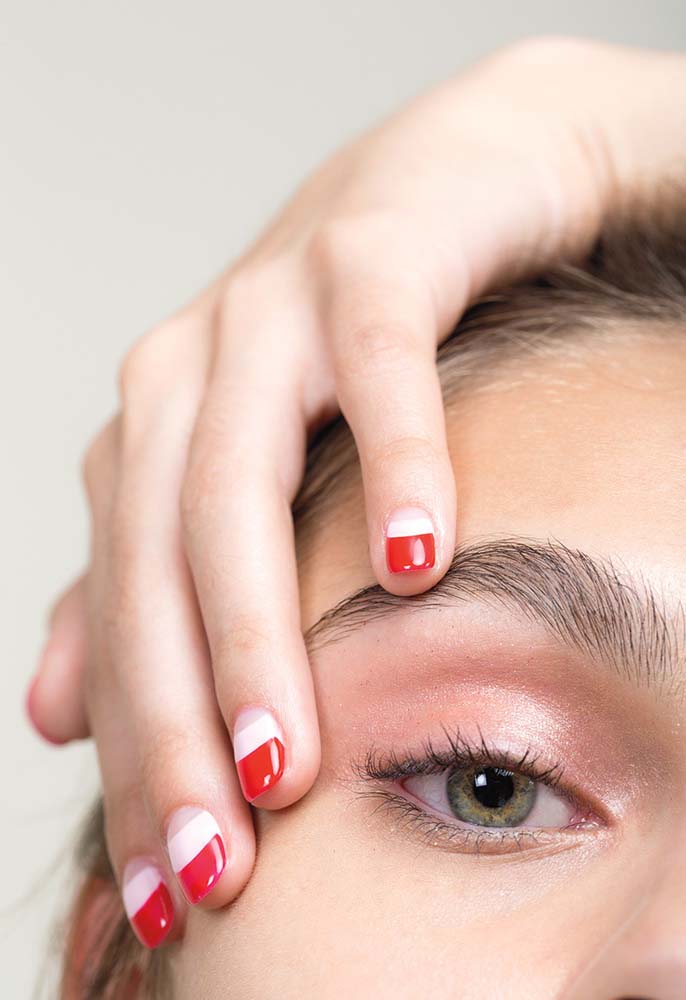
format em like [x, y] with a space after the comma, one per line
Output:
[147, 902]
[196, 851]
[410, 541]
[258, 748]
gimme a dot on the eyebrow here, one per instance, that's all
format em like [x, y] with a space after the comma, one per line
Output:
[608, 614]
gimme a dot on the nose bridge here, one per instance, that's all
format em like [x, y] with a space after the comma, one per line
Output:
[645, 957]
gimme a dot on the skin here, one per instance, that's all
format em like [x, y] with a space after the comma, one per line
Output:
[348, 899]
[338, 307]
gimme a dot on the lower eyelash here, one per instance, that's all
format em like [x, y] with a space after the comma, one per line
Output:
[462, 839]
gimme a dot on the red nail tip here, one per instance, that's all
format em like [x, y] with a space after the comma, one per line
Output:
[260, 770]
[153, 920]
[203, 871]
[406, 554]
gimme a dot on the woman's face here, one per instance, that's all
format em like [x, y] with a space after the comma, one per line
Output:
[501, 809]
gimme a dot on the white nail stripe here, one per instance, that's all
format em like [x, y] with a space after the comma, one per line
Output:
[138, 890]
[191, 838]
[252, 736]
[410, 526]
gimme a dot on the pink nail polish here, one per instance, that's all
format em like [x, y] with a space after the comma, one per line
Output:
[196, 851]
[258, 747]
[410, 541]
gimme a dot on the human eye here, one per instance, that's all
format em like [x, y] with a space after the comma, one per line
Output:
[475, 797]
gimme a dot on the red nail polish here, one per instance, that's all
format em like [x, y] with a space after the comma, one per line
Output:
[147, 902]
[259, 751]
[410, 542]
[196, 851]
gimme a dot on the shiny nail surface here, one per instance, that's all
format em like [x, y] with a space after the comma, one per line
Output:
[147, 902]
[410, 541]
[258, 747]
[196, 851]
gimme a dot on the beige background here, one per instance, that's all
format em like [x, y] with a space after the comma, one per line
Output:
[142, 145]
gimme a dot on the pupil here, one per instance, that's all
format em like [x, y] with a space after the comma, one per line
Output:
[493, 787]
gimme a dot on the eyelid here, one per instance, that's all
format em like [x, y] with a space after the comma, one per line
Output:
[381, 771]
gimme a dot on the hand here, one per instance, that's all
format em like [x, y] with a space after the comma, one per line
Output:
[192, 593]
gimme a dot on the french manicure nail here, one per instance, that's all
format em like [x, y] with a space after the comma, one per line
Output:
[258, 747]
[147, 902]
[410, 540]
[196, 851]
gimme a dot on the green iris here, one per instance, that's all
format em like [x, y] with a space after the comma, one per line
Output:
[490, 796]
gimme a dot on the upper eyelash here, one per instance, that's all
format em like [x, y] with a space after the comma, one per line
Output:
[390, 766]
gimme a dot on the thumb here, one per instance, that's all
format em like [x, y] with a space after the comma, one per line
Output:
[55, 701]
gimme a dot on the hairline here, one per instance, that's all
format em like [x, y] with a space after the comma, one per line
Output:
[632, 283]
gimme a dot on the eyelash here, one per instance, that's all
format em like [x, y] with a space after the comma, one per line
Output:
[379, 769]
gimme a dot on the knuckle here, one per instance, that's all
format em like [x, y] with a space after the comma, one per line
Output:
[330, 244]
[245, 291]
[406, 450]
[540, 51]
[134, 368]
[339, 241]
[247, 638]
[376, 347]
[161, 757]
[144, 361]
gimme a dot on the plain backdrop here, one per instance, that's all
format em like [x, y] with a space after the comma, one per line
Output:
[142, 146]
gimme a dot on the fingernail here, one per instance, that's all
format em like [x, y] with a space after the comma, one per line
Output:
[147, 902]
[410, 541]
[196, 851]
[259, 751]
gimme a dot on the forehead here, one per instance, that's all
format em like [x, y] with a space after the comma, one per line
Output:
[590, 451]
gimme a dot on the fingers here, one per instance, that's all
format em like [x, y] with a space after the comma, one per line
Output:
[383, 332]
[153, 645]
[152, 904]
[55, 701]
[183, 763]
[245, 465]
